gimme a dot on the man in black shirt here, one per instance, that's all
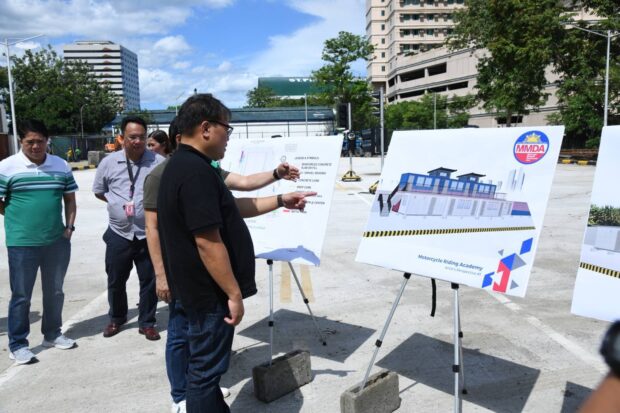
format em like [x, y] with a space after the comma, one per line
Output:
[207, 248]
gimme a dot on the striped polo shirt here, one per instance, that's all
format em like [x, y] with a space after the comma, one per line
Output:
[33, 199]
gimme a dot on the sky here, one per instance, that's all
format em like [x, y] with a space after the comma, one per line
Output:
[216, 46]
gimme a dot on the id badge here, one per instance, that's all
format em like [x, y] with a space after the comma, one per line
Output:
[130, 209]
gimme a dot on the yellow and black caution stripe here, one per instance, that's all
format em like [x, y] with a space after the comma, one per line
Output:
[602, 270]
[414, 232]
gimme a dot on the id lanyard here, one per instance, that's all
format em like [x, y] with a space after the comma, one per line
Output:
[132, 178]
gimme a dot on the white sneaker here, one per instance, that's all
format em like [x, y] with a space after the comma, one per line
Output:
[61, 342]
[22, 355]
[225, 391]
[182, 408]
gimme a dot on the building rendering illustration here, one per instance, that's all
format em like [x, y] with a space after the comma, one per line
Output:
[437, 201]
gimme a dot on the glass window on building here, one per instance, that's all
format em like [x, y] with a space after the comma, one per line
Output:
[430, 32]
[383, 68]
[382, 54]
[383, 27]
[430, 17]
[415, 16]
[382, 40]
[382, 12]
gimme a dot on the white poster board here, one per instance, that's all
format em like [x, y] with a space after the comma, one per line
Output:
[597, 287]
[463, 205]
[289, 235]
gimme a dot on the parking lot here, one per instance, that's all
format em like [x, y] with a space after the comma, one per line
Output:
[525, 354]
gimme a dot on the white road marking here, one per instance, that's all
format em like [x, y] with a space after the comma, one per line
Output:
[81, 315]
[570, 346]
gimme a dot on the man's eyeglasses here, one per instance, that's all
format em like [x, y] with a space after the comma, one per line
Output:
[229, 129]
[134, 138]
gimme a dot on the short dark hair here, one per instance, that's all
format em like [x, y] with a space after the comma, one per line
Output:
[173, 131]
[197, 109]
[131, 119]
[162, 138]
[31, 125]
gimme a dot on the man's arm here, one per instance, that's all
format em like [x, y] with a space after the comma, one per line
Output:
[102, 197]
[251, 207]
[1, 206]
[606, 397]
[70, 212]
[152, 240]
[215, 258]
[258, 180]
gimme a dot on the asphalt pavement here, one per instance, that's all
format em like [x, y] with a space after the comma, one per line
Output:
[525, 354]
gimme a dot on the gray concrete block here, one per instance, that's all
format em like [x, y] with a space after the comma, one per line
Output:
[380, 395]
[94, 157]
[286, 373]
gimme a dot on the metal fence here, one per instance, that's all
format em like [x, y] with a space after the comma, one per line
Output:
[75, 148]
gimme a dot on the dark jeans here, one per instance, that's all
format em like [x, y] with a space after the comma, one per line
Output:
[210, 343]
[24, 262]
[120, 255]
[177, 351]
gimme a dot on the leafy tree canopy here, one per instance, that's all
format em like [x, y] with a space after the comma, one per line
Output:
[424, 113]
[580, 60]
[53, 91]
[336, 82]
[517, 37]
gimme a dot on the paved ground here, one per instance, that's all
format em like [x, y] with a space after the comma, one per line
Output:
[520, 354]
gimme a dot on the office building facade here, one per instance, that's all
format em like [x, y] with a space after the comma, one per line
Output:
[410, 58]
[110, 63]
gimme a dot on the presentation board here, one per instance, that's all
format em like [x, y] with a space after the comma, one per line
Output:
[463, 205]
[289, 235]
[597, 287]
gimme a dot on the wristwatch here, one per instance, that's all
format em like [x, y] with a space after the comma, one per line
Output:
[71, 227]
[610, 348]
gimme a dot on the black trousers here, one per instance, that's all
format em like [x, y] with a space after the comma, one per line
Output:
[120, 255]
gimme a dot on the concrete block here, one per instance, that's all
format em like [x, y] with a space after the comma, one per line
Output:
[380, 395]
[286, 373]
[94, 157]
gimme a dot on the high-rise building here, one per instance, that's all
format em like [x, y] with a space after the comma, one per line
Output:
[410, 59]
[110, 63]
[405, 28]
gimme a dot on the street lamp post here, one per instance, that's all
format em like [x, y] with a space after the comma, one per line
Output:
[81, 121]
[609, 36]
[7, 44]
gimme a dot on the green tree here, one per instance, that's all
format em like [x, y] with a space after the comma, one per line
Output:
[4, 78]
[515, 39]
[579, 60]
[336, 82]
[53, 91]
[261, 97]
[424, 113]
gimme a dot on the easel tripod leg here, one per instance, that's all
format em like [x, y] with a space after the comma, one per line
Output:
[316, 325]
[458, 352]
[462, 369]
[271, 323]
[379, 342]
